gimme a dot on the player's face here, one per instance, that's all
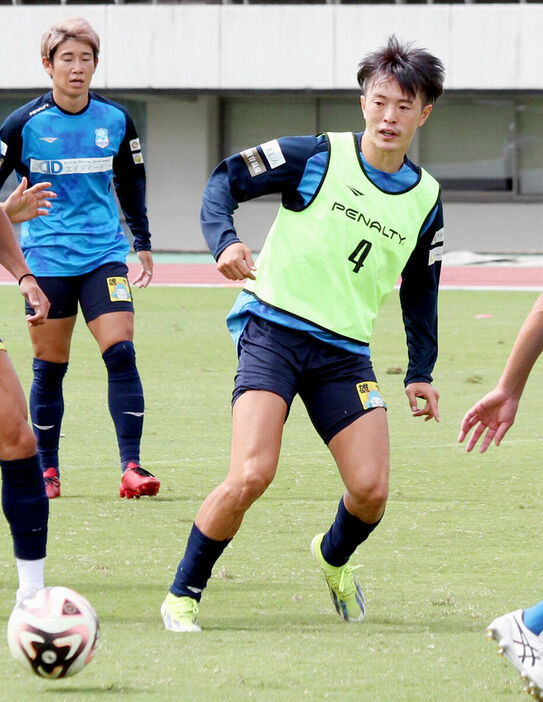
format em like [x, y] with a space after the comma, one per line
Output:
[392, 118]
[71, 69]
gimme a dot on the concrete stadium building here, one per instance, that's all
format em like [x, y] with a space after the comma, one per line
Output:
[203, 80]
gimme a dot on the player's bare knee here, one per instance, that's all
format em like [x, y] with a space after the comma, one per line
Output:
[370, 499]
[252, 485]
[18, 442]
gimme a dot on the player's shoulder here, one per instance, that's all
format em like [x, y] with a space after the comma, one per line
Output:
[19, 117]
[309, 144]
[107, 104]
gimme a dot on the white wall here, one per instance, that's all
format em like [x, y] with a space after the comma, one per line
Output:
[280, 46]
[179, 156]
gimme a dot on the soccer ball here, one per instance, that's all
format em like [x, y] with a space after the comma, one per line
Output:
[54, 633]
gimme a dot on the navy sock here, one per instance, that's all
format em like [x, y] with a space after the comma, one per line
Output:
[26, 506]
[125, 398]
[47, 409]
[346, 533]
[195, 567]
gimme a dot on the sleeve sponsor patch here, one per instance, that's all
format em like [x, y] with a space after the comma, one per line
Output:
[436, 254]
[272, 152]
[138, 157]
[135, 145]
[438, 237]
[255, 165]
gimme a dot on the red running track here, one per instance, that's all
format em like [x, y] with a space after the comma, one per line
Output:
[206, 274]
[501, 277]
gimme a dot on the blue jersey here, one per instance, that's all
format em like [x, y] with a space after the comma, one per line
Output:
[296, 169]
[83, 155]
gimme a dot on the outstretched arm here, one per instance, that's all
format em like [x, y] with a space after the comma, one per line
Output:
[11, 257]
[496, 411]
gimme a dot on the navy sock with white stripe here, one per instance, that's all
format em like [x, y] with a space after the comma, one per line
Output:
[47, 408]
[125, 398]
[195, 567]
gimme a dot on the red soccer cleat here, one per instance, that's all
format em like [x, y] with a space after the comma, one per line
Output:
[52, 483]
[137, 481]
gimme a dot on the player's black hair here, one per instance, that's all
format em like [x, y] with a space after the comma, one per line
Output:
[414, 69]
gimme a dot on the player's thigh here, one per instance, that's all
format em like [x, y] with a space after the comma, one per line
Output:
[338, 388]
[362, 454]
[111, 328]
[14, 427]
[258, 417]
[51, 341]
[265, 385]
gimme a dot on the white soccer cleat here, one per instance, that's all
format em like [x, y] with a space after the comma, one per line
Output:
[522, 647]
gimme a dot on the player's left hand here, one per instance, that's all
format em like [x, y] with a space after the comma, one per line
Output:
[144, 277]
[427, 392]
[36, 298]
[26, 203]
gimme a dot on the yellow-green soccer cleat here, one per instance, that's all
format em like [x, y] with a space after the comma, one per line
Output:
[345, 591]
[179, 613]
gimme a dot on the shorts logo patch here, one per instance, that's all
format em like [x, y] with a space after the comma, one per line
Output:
[135, 145]
[253, 161]
[137, 157]
[101, 137]
[370, 395]
[119, 290]
[3, 148]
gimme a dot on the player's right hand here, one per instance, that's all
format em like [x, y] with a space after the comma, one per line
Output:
[36, 299]
[236, 262]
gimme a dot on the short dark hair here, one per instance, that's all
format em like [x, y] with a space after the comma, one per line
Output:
[415, 70]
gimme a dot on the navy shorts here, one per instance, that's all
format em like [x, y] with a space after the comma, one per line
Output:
[105, 289]
[336, 386]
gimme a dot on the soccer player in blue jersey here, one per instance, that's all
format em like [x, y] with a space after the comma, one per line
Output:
[519, 634]
[355, 214]
[24, 500]
[82, 144]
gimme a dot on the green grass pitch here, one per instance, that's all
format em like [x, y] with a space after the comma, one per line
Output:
[460, 542]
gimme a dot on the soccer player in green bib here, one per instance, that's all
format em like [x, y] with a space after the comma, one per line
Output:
[355, 216]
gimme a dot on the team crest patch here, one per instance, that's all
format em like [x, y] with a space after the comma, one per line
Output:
[370, 395]
[119, 290]
[101, 137]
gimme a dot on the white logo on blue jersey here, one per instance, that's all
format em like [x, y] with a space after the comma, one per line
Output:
[101, 137]
[67, 166]
[49, 140]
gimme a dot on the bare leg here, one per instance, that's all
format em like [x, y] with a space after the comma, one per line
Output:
[257, 428]
[362, 454]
